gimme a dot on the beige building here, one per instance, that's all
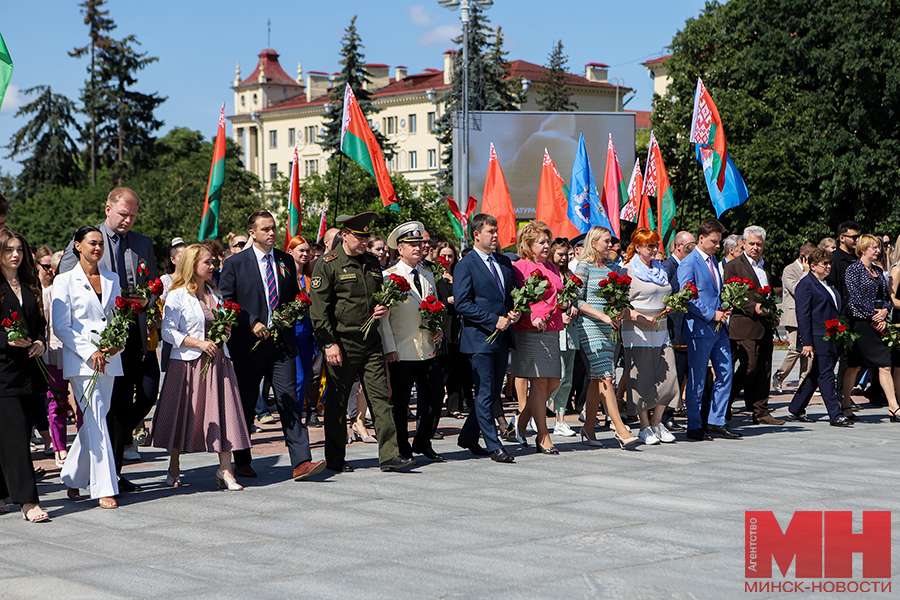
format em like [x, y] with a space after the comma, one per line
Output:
[273, 112]
[658, 72]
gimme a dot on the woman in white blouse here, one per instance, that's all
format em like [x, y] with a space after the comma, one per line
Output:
[197, 411]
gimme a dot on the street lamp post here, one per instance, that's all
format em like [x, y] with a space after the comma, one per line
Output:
[464, 6]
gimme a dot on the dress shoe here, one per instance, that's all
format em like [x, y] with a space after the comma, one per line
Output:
[502, 456]
[723, 432]
[127, 486]
[307, 469]
[671, 425]
[398, 463]
[245, 471]
[428, 453]
[802, 418]
[437, 435]
[515, 437]
[842, 421]
[698, 435]
[474, 449]
[855, 407]
[342, 468]
[767, 420]
[541, 450]
[588, 440]
[313, 421]
[849, 414]
[776, 383]
[224, 481]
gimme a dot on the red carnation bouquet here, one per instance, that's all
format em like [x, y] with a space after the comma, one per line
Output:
[444, 262]
[570, 292]
[113, 335]
[769, 305]
[734, 294]
[433, 312]
[148, 290]
[16, 330]
[393, 291]
[286, 315]
[679, 301]
[614, 289]
[531, 291]
[837, 330]
[225, 316]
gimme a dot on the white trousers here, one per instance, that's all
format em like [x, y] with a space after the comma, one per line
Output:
[90, 462]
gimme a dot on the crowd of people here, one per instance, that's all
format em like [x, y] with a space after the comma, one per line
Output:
[357, 360]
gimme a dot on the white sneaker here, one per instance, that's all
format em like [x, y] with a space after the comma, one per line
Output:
[664, 435]
[562, 428]
[648, 437]
[131, 453]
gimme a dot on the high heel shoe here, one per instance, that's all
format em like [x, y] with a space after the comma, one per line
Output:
[365, 439]
[623, 442]
[588, 441]
[173, 481]
[894, 415]
[849, 414]
[226, 481]
[541, 450]
[74, 495]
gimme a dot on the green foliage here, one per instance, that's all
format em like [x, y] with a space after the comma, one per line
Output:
[554, 95]
[355, 74]
[807, 93]
[54, 155]
[641, 147]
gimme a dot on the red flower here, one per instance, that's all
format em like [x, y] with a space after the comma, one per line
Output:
[734, 280]
[401, 282]
[613, 276]
[232, 306]
[604, 282]
[750, 285]
[156, 287]
[6, 323]
[444, 261]
[136, 307]
[765, 290]
[122, 302]
[625, 280]
[304, 298]
[842, 328]
[14, 316]
[576, 281]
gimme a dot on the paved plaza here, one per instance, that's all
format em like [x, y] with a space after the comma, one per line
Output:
[652, 522]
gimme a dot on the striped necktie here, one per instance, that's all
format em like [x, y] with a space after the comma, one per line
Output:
[270, 284]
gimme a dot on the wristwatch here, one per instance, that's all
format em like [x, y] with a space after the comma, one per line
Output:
[327, 346]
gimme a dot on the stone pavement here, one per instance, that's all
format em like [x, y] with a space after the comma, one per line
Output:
[652, 522]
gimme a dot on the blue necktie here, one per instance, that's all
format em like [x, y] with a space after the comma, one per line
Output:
[270, 284]
[495, 273]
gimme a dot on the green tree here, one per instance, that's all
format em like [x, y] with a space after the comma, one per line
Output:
[98, 26]
[355, 74]
[54, 154]
[807, 91]
[489, 86]
[554, 95]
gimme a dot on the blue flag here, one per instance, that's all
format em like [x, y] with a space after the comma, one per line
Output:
[734, 191]
[585, 209]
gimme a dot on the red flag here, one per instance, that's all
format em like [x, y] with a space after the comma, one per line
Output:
[322, 228]
[630, 210]
[498, 202]
[295, 221]
[614, 195]
[552, 201]
[359, 143]
[656, 183]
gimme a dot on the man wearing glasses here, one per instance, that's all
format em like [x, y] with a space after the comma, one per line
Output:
[843, 257]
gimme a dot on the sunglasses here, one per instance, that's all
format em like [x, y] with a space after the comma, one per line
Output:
[852, 237]
[239, 244]
[44, 266]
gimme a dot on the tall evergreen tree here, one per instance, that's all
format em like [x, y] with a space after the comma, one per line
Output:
[354, 73]
[54, 154]
[99, 25]
[489, 86]
[554, 94]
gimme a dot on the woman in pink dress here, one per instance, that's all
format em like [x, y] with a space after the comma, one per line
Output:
[197, 413]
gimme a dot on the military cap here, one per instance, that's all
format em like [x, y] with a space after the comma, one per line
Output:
[411, 231]
[358, 224]
[578, 240]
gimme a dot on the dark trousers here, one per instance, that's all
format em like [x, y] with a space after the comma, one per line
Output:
[120, 418]
[16, 469]
[753, 374]
[821, 376]
[362, 359]
[428, 379]
[457, 373]
[275, 363]
[487, 372]
[147, 390]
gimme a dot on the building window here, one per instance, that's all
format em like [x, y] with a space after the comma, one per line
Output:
[392, 164]
[290, 170]
[291, 137]
[310, 133]
[273, 139]
[390, 125]
[413, 161]
[432, 159]
[255, 100]
[431, 122]
[312, 166]
[273, 172]
[412, 123]
[243, 100]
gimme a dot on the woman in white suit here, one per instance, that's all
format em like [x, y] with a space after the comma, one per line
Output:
[83, 300]
[197, 412]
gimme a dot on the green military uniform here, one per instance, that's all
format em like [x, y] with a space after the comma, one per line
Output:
[341, 290]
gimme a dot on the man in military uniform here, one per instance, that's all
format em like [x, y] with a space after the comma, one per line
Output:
[343, 285]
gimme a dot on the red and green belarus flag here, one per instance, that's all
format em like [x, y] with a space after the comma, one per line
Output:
[359, 143]
[460, 220]
[615, 194]
[209, 220]
[294, 221]
[6, 69]
[656, 183]
[707, 130]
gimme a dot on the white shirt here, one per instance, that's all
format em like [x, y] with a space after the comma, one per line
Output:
[261, 263]
[484, 257]
[760, 271]
[705, 257]
[830, 291]
[404, 269]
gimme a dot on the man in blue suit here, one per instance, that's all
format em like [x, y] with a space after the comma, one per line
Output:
[706, 345]
[482, 282]
[816, 302]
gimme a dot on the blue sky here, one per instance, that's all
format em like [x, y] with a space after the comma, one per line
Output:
[198, 43]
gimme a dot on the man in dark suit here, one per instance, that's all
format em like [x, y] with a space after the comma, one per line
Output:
[131, 256]
[482, 282]
[816, 302]
[261, 279]
[841, 258]
[751, 330]
[790, 277]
